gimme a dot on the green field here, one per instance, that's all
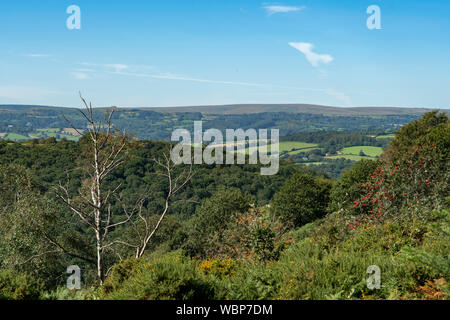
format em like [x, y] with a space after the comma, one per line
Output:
[386, 136]
[48, 130]
[290, 147]
[314, 163]
[291, 153]
[349, 157]
[40, 133]
[16, 137]
[294, 145]
[368, 151]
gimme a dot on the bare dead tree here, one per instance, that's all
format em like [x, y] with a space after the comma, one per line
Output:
[92, 205]
[175, 182]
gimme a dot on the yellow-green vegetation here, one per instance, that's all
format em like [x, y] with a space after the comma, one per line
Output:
[314, 163]
[15, 137]
[67, 133]
[48, 130]
[302, 150]
[386, 136]
[367, 150]
[295, 145]
[348, 156]
[290, 147]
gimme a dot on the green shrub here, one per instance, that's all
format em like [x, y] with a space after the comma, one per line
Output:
[302, 199]
[64, 293]
[346, 190]
[171, 277]
[19, 286]
[212, 217]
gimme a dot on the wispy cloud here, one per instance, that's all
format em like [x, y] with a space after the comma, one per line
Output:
[126, 71]
[37, 55]
[314, 58]
[273, 9]
[79, 75]
[116, 67]
[168, 76]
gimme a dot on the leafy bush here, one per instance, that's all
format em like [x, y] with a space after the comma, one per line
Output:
[346, 190]
[302, 199]
[171, 277]
[219, 268]
[19, 286]
[212, 217]
[64, 293]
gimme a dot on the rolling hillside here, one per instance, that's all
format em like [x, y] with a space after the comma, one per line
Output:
[21, 122]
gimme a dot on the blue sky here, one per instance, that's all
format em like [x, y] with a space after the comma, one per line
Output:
[174, 53]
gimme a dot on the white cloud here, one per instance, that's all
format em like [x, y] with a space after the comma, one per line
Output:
[128, 71]
[273, 9]
[116, 67]
[312, 57]
[79, 75]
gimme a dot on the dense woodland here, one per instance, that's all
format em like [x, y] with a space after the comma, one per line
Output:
[224, 232]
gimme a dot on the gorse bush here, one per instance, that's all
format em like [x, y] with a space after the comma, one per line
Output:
[19, 286]
[219, 268]
[170, 277]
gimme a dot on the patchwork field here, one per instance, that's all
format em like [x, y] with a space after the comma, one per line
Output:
[348, 157]
[289, 147]
[386, 136]
[367, 150]
[41, 133]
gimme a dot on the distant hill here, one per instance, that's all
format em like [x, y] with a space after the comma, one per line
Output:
[258, 108]
[25, 122]
[295, 108]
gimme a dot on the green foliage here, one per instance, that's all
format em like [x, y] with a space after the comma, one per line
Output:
[263, 244]
[302, 199]
[19, 286]
[171, 277]
[220, 268]
[63, 293]
[212, 217]
[287, 250]
[432, 128]
[43, 122]
[346, 190]
[119, 275]
[26, 217]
